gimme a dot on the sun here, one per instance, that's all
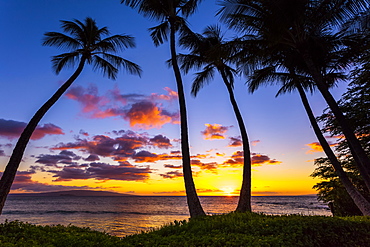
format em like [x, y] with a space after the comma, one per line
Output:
[228, 191]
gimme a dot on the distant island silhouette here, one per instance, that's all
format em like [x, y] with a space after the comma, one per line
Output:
[73, 193]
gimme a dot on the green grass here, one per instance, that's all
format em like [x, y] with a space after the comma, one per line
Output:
[232, 229]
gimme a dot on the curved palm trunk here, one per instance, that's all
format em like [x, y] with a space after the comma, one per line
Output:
[195, 208]
[356, 196]
[244, 204]
[16, 158]
[358, 153]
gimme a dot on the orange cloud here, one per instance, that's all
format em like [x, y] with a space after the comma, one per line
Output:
[214, 131]
[316, 147]
[147, 115]
[237, 159]
[212, 166]
[260, 159]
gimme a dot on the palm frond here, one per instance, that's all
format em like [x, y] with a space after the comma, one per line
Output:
[115, 43]
[103, 65]
[60, 40]
[201, 79]
[64, 60]
[159, 33]
[190, 61]
[74, 28]
[130, 67]
[189, 7]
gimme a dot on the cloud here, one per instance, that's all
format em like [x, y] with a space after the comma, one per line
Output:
[121, 147]
[237, 159]
[260, 159]
[148, 115]
[254, 143]
[172, 166]
[92, 157]
[84, 133]
[129, 145]
[146, 156]
[87, 97]
[208, 190]
[23, 182]
[214, 131]
[64, 157]
[170, 192]
[12, 129]
[235, 141]
[171, 95]
[316, 147]
[160, 141]
[212, 166]
[141, 111]
[103, 171]
[172, 174]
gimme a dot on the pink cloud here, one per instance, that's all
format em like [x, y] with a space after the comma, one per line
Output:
[141, 111]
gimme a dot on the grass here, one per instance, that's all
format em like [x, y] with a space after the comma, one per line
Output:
[234, 229]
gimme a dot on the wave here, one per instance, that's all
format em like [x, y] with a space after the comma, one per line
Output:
[68, 212]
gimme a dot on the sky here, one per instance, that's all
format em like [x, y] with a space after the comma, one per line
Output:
[123, 135]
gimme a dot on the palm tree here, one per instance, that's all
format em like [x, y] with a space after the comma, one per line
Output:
[292, 81]
[210, 53]
[172, 14]
[86, 45]
[307, 29]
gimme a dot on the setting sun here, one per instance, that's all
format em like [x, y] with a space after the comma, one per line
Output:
[228, 191]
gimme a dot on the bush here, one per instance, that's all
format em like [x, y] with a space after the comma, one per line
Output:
[234, 229]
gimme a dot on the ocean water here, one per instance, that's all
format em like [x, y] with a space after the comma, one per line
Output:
[122, 216]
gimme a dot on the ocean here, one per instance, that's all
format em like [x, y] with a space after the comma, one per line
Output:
[123, 216]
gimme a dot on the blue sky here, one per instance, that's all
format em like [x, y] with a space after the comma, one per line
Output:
[278, 128]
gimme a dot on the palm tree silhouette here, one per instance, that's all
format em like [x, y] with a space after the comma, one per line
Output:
[293, 81]
[172, 14]
[210, 53]
[306, 29]
[86, 45]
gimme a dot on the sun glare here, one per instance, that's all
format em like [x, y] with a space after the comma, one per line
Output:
[228, 191]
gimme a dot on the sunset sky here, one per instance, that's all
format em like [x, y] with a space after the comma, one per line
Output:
[123, 135]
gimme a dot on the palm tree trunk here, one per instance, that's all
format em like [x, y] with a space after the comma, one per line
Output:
[358, 153]
[195, 208]
[18, 151]
[356, 196]
[244, 204]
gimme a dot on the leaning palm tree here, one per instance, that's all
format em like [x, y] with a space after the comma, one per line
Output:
[308, 28]
[172, 14]
[86, 45]
[292, 81]
[210, 53]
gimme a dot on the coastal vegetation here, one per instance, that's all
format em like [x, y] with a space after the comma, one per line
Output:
[234, 229]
